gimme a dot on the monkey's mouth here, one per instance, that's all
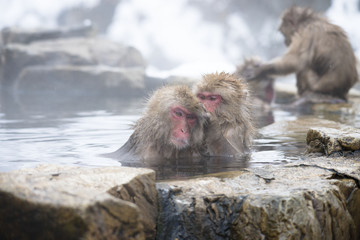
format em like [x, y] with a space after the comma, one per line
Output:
[179, 143]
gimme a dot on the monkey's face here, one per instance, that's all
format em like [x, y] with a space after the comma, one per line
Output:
[210, 100]
[182, 122]
[287, 29]
[290, 23]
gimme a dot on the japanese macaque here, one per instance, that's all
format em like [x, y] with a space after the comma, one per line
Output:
[230, 129]
[319, 53]
[262, 89]
[172, 127]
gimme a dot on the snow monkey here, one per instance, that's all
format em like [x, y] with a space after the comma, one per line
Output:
[320, 55]
[262, 89]
[171, 127]
[230, 128]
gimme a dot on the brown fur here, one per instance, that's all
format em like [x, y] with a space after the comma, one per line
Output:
[150, 139]
[230, 130]
[261, 89]
[319, 53]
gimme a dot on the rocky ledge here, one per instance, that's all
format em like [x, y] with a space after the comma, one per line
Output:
[68, 62]
[314, 198]
[340, 141]
[63, 202]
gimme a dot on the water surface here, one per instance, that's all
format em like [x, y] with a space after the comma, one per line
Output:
[76, 132]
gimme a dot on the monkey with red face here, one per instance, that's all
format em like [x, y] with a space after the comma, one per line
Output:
[226, 98]
[172, 127]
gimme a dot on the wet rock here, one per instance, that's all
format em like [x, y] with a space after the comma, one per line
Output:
[26, 36]
[342, 140]
[71, 51]
[296, 128]
[63, 202]
[298, 201]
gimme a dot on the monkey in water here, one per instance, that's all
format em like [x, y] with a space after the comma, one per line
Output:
[230, 129]
[262, 92]
[172, 127]
[320, 55]
[262, 89]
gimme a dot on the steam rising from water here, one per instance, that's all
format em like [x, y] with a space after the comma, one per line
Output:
[173, 35]
[345, 13]
[35, 13]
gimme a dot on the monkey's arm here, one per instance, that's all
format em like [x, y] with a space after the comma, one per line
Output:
[236, 139]
[280, 66]
[292, 61]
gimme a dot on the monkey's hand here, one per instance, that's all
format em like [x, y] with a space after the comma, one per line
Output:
[256, 72]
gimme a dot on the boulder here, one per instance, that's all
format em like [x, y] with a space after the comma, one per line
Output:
[67, 51]
[66, 202]
[66, 89]
[340, 141]
[26, 36]
[296, 201]
[100, 80]
[101, 14]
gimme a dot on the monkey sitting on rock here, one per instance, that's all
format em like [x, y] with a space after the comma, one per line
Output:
[320, 55]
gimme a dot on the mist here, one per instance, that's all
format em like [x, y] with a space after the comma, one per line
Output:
[182, 37]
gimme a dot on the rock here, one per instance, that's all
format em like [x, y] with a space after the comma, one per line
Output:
[296, 128]
[101, 15]
[72, 88]
[343, 140]
[26, 36]
[71, 51]
[63, 202]
[297, 201]
[99, 80]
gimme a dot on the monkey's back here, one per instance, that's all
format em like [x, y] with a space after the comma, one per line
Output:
[330, 62]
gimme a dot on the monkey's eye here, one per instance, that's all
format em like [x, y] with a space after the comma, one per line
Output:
[191, 116]
[213, 98]
[178, 113]
[201, 96]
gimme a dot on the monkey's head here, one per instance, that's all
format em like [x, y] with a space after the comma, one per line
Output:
[261, 87]
[222, 93]
[248, 67]
[292, 19]
[178, 117]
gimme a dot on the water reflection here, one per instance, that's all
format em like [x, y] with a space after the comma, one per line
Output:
[185, 168]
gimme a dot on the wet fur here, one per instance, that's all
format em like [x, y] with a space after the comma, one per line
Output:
[151, 136]
[261, 89]
[230, 130]
[319, 53]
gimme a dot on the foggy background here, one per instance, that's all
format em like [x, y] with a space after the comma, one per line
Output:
[66, 98]
[182, 37]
